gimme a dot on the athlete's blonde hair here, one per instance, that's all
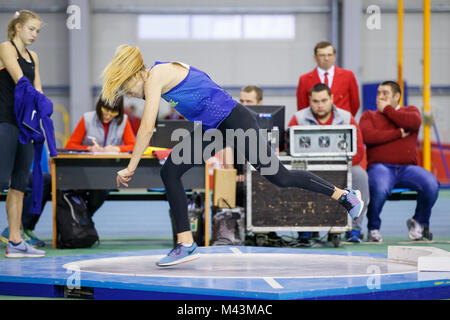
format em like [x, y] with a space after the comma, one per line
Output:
[126, 63]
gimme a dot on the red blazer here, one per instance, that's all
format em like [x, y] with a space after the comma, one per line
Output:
[344, 89]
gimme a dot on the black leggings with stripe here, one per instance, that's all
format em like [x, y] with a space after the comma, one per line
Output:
[239, 118]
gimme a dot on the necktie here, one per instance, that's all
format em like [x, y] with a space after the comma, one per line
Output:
[326, 78]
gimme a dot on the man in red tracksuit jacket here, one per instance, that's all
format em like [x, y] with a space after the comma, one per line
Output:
[344, 87]
[390, 134]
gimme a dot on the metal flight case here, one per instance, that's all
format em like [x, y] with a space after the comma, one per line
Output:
[323, 150]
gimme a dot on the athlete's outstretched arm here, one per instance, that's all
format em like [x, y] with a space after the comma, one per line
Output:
[152, 89]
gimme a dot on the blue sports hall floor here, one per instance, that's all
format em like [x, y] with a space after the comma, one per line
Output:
[135, 234]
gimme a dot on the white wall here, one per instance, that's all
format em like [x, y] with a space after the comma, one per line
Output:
[229, 63]
[380, 56]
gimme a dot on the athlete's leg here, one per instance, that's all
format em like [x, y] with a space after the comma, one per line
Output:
[257, 151]
[177, 163]
[175, 166]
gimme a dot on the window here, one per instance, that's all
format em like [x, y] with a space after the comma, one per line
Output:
[269, 27]
[216, 27]
[163, 27]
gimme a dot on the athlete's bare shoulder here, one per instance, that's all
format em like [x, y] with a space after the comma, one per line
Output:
[6, 44]
[6, 50]
[168, 74]
[172, 67]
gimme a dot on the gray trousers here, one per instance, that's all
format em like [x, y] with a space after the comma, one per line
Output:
[360, 181]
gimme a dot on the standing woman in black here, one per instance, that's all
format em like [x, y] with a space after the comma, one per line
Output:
[17, 61]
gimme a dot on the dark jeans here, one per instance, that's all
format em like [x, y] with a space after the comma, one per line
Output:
[384, 177]
[94, 199]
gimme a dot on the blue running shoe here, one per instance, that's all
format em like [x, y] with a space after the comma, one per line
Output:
[352, 201]
[354, 236]
[22, 250]
[26, 235]
[179, 254]
[4, 237]
[31, 238]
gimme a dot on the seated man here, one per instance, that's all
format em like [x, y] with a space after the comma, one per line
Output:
[390, 134]
[322, 111]
[251, 96]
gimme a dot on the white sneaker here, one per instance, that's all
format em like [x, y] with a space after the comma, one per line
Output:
[415, 229]
[374, 236]
[22, 250]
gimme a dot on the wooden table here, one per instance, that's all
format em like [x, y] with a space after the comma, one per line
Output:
[98, 171]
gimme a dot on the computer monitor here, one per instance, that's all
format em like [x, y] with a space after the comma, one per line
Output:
[163, 132]
[269, 117]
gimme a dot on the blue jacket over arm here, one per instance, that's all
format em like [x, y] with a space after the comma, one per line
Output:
[30, 107]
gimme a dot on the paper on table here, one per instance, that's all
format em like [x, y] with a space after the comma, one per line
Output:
[106, 153]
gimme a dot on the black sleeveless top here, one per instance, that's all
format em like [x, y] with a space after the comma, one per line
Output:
[7, 87]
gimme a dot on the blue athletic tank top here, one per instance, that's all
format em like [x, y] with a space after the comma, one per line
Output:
[198, 98]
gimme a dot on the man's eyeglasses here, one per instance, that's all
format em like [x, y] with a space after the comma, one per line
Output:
[321, 56]
[110, 112]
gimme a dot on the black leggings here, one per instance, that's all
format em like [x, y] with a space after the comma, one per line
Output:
[16, 159]
[239, 118]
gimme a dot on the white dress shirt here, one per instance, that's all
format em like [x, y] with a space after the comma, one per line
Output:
[330, 75]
